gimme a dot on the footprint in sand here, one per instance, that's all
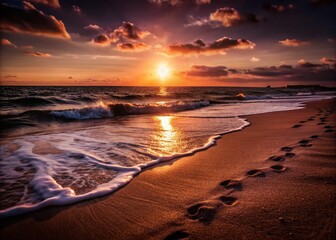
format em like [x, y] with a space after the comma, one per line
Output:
[289, 155]
[204, 212]
[314, 136]
[228, 200]
[278, 168]
[320, 123]
[287, 149]
[232, 184]
[302, 121]
[328, 127]
[277, 158]
[305, 143]
[329, 130]
[180, 234]
[297, 126]
[255, 173]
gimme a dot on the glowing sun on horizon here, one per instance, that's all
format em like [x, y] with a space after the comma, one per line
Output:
[163, 71]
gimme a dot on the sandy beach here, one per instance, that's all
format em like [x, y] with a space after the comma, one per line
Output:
[276, 179]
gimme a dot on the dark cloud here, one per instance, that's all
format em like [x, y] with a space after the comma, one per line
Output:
[231, 17]
[10, 76]
[293, 42]
[76, 9]
[128, 31]
[133, 47]
[126, 37]
[301, 72]
[30, 20]
[277, 7]
[199, 47]
[51, 3]
[304, 64]
[38, 54]
[206, 71]
[178, 2]
[90, 30]
[102, 40]
[170, 2]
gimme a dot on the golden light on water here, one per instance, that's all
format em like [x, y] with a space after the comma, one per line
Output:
[162, 91]
[167, 137]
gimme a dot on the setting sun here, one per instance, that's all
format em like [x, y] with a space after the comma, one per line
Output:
[163, 71]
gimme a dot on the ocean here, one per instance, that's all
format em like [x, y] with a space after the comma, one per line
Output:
[61, 145]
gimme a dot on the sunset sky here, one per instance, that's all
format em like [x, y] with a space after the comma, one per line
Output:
[194, 42]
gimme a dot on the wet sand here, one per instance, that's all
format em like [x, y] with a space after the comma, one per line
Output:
[276, 179]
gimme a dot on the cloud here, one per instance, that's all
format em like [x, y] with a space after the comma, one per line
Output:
[51, 3]
[207, 71]
[328, 60]
[277, 7]
[272, 71]
[38, 54]
[304, 64]
[133, 47]
[170, 2]
[90, 31]
[128, 31]
[202, 21]
[254, 59]
[76, 9]
[102, 40]
[92, 27]
[293, 43]
[10, 76]
[200, 47]
[30, 20]
[126, 37]
[200, 2]
[231, 17]
[6, 42]
[302, 71]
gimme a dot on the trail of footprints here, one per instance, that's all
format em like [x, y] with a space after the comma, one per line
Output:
[205, 211]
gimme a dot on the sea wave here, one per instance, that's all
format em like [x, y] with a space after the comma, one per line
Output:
[102, 110]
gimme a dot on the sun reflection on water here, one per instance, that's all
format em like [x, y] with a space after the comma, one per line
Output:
[162, 91]
[167, 138]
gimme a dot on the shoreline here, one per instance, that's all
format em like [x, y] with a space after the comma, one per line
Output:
[157, 200]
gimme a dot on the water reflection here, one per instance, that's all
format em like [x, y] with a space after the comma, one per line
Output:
[167, 139]
[162, 91]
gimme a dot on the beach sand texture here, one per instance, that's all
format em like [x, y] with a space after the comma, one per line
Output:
[276, 179]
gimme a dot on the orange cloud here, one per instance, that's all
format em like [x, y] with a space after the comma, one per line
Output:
[6, 42]
[328, 60]
[38, 54]
[231, 17]
[199, 47]
[292, 43]
[32, 21]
